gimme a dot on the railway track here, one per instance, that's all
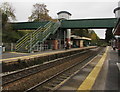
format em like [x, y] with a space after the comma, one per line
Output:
[18, 75]
[55, 81]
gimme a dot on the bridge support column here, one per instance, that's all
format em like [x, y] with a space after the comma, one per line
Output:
[55, 44]
[81, 43]
[68, 38]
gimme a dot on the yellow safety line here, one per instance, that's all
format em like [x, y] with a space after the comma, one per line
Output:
[36, 55]
[17, 53]
[90, 80]
[26, 57]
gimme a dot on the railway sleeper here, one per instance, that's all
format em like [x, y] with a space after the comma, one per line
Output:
[56, 81]
[60, 79]
[49, 88]
[64, 77]
[51, 84]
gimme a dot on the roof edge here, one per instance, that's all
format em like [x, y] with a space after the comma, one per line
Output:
[64, 12]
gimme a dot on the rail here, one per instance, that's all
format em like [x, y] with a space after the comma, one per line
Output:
[67, 71]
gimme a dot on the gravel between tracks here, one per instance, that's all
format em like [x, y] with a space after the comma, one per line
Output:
[32, 80]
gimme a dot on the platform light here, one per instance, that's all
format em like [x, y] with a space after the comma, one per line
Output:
[117, 11]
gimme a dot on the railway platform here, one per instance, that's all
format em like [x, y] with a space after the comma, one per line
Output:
[105, 76]
[14, 56]
[109, 76]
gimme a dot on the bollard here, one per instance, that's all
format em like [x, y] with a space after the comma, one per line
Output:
[3, 49]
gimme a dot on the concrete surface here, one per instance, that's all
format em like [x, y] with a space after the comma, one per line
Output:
[108, 78]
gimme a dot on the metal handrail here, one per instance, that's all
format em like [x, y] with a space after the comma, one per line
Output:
[23, 37]
[26, 38]
[34, 37]
[39, 35]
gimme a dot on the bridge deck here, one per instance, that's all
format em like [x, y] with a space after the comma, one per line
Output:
[89, 23]
[75, 23]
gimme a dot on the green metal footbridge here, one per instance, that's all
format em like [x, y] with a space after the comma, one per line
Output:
[42, 30]
[78, 23]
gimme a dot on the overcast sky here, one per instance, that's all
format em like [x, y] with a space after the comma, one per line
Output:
[80, 9]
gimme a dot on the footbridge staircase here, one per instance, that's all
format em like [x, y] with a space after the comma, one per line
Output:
[30, 40]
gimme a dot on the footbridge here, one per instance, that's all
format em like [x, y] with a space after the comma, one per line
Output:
[89, 23]
[42, 30]
[100, 23]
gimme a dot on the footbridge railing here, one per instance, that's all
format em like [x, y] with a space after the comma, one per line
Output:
[30, 40]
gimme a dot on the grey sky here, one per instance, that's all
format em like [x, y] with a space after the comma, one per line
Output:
[80, 9]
